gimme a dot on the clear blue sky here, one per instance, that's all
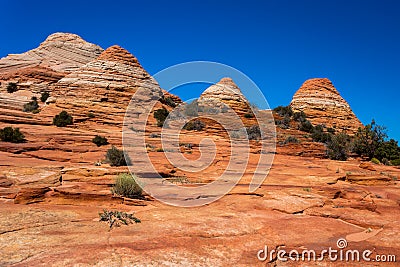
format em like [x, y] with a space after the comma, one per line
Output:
[278, 44]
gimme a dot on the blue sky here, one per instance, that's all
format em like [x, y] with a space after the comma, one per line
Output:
[278, 44]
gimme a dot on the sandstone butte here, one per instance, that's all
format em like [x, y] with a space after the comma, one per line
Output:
[105, 86]
[306, 202]
[59, 54]
[225, 92]
[323, 104]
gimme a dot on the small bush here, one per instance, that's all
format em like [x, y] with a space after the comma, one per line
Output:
[44, 96]
[318, 135]
[253, 132]
[331, 130]
[115, 218]
[375, 161]
[249, 115]
[368, 142]
[168, 101]
[63, 119]
[386, 162]
[284, 111]
[31, 106]
[291, 140]
[395, 162]
[338, 147]
[388, 149]
[117, 157]
[161, 115]
[284, 123]
[90, 115]
[9, 134]
[195, 125]
[100, 140]
[299, 116]
[126, 186]
[306, 126]
[12, 88]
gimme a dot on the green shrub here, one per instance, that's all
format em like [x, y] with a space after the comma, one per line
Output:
[161, 115]
[249, 115]
[284, 111]
[253, 132]
[388, 149]
[63, 119]
[331, 130]
[126, 186]
[9, 134]
[44, 96]
[90, 115]
[306, 126]
[368, 140]
[338, 147]
[117, 157]
[291, 140]
[100, 140]
[371, 141]
[395, 162]
[375, 161]
[386, 162]
[299, 116]
[284, 123]
[168, 101]
[318, 135]
[116, 218]
[194, 125]
[12, 88]
[31, 106]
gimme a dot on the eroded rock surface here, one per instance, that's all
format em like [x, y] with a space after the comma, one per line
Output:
[60, 52]
[56, 172]
[323, 104]
[105, 86]
[227, 92]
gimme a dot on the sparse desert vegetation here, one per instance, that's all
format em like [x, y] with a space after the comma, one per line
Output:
[117, 218]
[100, 140]
[12, 87]
[161, 115]
[10, 134]
[63, 119]
[127, 186]
[329, 172]
[117, 157]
